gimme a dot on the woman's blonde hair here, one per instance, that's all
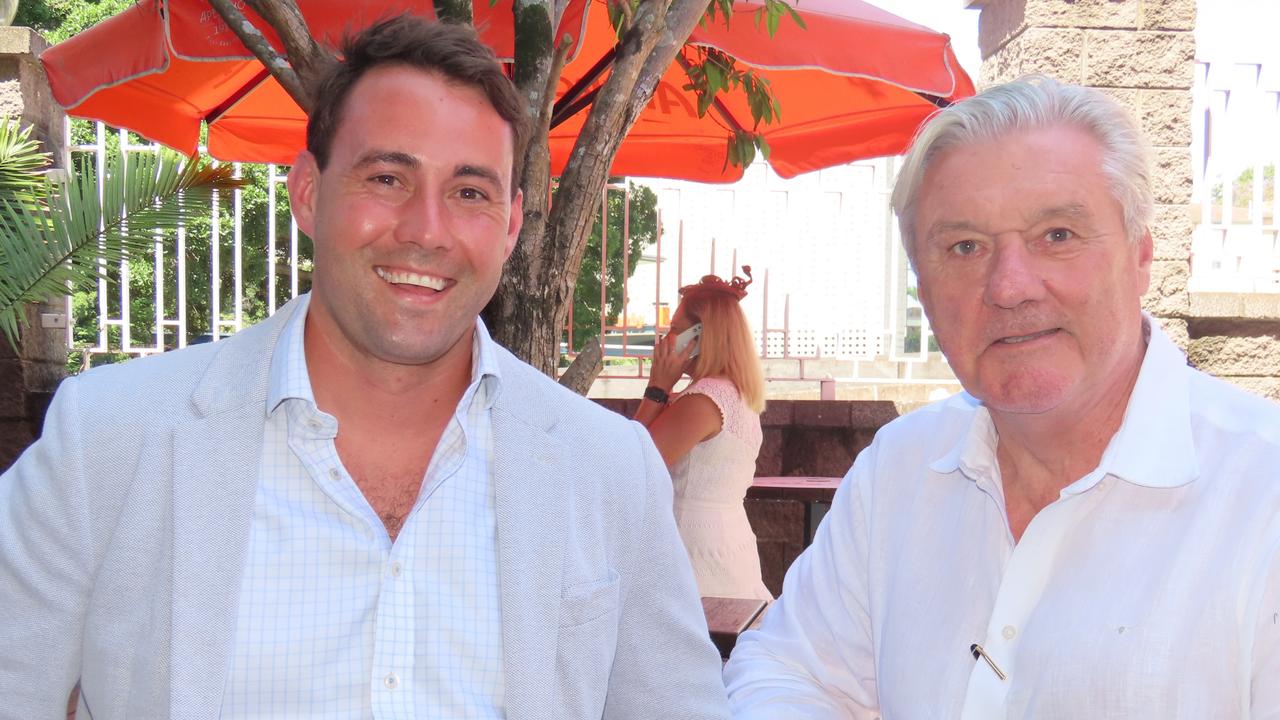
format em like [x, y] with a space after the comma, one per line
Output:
[726, 348]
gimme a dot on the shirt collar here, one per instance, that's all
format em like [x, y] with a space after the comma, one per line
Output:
[289, 378]
[1153, 448]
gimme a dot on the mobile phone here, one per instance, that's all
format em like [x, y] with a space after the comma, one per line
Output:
[688, 336]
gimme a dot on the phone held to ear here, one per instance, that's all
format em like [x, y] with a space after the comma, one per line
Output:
[688, 336]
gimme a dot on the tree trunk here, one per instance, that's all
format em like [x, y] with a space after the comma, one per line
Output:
[537, 285]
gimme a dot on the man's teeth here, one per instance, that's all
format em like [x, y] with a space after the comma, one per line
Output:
[400, 277]
[1023, 338]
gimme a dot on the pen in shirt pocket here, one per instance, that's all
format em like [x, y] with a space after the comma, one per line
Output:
[978, 652]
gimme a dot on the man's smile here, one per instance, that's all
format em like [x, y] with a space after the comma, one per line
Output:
[407, 277]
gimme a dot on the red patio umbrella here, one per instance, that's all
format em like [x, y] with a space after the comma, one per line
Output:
[856, 83]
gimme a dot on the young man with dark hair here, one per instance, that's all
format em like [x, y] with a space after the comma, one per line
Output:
[361, 507]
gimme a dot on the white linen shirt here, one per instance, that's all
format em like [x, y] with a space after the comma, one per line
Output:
[1149, 589]
[336, 621]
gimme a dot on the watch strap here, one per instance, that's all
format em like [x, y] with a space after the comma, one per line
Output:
[656, 394]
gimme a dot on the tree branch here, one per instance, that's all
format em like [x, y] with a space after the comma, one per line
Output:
[454, 10]
[624, 7]
[644, 53]
[305, 57]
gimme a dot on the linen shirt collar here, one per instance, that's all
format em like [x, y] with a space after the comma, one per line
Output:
[289, 378]
[1154, 446]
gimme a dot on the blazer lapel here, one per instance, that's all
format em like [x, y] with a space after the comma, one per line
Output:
[215, 476]
[215, 479]
[532, 527]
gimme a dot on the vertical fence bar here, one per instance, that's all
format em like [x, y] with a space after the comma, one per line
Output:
[215, 272]
[100, 165]
[181, 289]
[237, 251]
[271, 239]
[126, 324]
[293, 258]
[764, 320]
[680, 255]
[158, 279]
[657, 280]
[604, 262]
[626, 264]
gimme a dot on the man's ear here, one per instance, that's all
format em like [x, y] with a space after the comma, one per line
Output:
[304, 186]
[514, 223]
[1146, 251]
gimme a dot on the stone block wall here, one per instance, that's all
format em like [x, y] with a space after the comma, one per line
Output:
[29, 374]
[28, 377]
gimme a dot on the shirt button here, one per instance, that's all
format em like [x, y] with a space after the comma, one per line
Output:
[1008, 632]
[313, 424]
[392, 681]
[395, 569]
[334, 474]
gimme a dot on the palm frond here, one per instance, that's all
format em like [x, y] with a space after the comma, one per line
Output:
[21, 161]
[73, 236]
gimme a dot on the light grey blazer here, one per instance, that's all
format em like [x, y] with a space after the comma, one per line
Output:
[123, 533]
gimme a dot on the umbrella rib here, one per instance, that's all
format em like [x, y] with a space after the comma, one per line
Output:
[235, 97]
[570, 103]
[568, 111]
[940, 102]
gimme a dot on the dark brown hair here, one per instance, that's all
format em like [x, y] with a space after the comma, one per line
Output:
[451, 49]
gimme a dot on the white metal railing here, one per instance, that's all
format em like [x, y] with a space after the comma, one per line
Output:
[170, 324]
[1235, 151]
[210, 281]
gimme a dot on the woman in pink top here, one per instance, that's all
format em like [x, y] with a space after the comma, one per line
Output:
[709, 434]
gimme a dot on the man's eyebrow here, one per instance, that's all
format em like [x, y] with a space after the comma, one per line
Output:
[943, 227]
[1070, 211]
[479, 171]
[387, 157]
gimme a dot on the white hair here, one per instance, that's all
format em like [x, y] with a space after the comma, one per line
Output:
[1030, 103]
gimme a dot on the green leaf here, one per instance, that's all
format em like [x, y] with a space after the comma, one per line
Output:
[46, 246]
[764, 146]
[715, 77]
[795, 16]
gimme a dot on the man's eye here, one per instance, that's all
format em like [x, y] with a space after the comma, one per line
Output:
[964, 247]
[388, 180]
[472, 194]
[1058, 235]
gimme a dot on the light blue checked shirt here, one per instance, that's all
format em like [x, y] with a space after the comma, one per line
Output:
[336, 621]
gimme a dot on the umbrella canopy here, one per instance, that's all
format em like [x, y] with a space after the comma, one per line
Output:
[856, 83]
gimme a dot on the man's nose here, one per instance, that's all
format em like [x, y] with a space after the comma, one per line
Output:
[1013, 277]
[423, 221]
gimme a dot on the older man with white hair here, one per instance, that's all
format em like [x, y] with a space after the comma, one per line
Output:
[1091, 529]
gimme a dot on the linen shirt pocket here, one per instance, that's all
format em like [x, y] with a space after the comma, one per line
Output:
[588, 640]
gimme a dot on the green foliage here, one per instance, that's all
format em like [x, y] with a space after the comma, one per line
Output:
[198, 253]
[1242, 188]
[55, 241]
[21, 165]
[711, 72]
[643, 233]
[58, 20]
[772, 12]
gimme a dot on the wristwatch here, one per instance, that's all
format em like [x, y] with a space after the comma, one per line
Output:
[656, 394]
